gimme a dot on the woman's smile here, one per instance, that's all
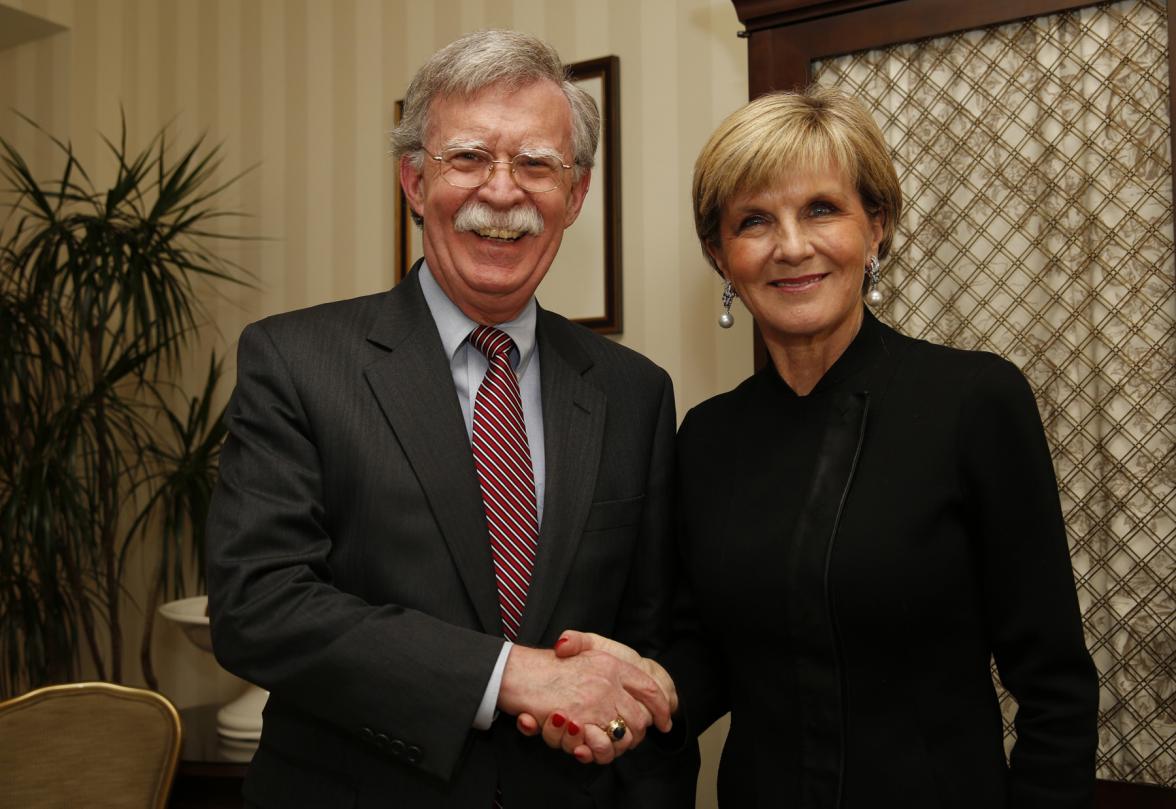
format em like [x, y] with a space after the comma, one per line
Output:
[802, 283]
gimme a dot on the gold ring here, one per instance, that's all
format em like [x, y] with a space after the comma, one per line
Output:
[616, 729]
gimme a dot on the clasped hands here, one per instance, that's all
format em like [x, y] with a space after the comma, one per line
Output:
[570, 695]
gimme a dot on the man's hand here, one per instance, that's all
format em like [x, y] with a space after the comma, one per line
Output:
[572, 643]
[584, 741]
[593, 687]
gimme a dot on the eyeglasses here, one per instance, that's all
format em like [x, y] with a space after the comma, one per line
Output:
[472, 168]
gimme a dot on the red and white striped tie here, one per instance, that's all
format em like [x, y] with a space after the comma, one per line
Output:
[502, 459]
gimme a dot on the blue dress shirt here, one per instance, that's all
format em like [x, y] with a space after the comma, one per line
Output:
[469, 366]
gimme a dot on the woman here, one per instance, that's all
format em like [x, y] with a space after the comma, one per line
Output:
[868, 520]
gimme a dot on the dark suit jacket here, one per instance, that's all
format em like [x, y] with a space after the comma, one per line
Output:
[852, 640]
[349, 568]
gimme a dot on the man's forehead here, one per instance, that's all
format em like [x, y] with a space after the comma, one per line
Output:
[499, 88]
[459, 108]
[542, 93]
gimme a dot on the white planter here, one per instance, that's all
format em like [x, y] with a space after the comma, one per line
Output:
[241, 717]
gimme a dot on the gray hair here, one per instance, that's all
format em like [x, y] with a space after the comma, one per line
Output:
[476, 61]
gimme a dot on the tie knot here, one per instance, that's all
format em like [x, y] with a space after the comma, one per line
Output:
[491, 342]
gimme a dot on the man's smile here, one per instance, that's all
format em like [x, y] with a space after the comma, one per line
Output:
[499, 234]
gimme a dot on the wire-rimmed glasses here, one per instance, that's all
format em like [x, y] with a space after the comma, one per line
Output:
[463, 167]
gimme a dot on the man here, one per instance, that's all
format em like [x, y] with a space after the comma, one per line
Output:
[405, 491]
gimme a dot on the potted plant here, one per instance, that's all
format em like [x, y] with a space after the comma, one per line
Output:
[99, 448]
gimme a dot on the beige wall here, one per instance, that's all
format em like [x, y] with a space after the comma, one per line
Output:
[303, 90]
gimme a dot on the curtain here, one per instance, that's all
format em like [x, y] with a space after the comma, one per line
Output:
[1036, 169]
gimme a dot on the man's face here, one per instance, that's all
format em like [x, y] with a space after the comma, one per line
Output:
[490, 277]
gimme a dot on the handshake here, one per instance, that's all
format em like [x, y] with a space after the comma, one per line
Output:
[592, 697]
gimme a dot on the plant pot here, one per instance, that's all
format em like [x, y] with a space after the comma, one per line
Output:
[239, 718]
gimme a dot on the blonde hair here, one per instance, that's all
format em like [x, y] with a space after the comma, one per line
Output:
[781, 132]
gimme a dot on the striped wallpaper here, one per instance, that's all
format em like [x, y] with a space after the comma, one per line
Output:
[301, 92]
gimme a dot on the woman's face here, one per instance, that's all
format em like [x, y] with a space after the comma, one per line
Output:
[796, 254]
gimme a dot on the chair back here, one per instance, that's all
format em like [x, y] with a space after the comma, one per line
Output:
[88, 744]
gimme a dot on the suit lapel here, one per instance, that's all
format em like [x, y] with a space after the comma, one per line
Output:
[573, 427]
[414, 387]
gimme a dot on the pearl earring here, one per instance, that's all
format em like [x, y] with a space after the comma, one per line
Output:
[874, 295]
[727, 320]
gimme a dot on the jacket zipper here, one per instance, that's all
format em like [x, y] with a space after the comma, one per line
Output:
[829, 601]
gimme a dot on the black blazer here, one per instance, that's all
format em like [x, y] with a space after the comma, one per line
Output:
[349, 567]
[928, 540]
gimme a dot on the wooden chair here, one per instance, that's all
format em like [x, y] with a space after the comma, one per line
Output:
[88, 744]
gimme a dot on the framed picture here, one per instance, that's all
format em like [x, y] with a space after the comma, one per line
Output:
[408, 235]
[584, 282]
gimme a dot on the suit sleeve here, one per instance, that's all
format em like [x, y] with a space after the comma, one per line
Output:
[381, 672]
[1030, 601]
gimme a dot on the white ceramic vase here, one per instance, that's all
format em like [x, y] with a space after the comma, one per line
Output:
[240, 718]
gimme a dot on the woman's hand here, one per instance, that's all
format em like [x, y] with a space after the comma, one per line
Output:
[589, 742]
[592, 686]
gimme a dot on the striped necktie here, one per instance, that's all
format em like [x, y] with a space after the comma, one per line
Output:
[502, 459]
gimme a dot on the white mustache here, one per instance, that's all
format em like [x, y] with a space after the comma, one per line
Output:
[475, 215]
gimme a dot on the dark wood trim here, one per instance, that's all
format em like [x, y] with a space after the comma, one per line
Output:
[403, 215]
[788, 51]
[1120, 795]
[608, 170]
[1172, 98]
[206, 778]
[757, 15]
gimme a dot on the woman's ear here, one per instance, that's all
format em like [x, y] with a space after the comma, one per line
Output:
[877, 230]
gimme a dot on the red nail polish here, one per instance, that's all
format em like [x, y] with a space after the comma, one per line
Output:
[558, 719]
[573, 729]
[560, 642]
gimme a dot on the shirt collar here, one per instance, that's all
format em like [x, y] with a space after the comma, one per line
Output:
[455, 326]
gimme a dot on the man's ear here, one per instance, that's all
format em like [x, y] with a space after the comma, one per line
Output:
[715, 251]
[576, 198]
[412, 181]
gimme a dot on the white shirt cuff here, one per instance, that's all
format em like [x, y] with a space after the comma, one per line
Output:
[487, 708]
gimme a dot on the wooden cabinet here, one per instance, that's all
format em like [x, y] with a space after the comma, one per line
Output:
[786, 36]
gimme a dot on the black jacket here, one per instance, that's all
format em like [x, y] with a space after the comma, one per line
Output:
[855, 559]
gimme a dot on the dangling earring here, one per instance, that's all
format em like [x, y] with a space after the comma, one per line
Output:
[726, 320]
[874, 296]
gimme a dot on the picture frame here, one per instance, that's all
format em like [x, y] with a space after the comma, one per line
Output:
[584, 282]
